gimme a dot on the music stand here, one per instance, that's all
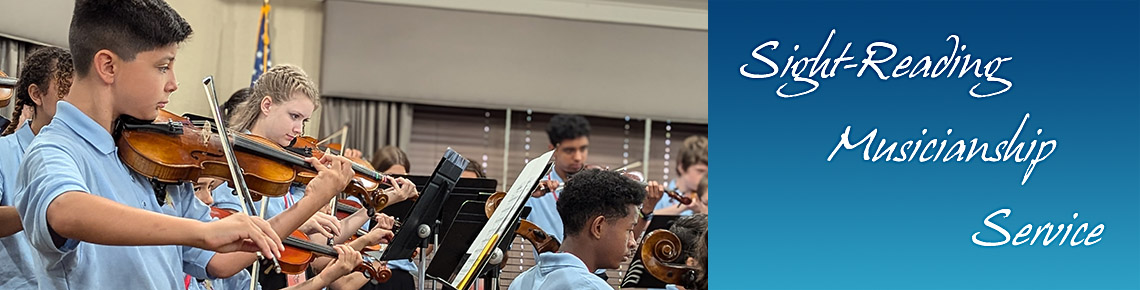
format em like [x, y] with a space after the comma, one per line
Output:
[465, 189]
[499, 226]
[421, 221]
[468, 223]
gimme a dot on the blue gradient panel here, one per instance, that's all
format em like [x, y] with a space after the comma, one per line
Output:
[787, 218]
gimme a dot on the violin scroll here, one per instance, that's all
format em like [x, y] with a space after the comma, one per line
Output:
[660, 252]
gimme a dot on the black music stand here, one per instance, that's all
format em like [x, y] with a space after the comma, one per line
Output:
[423, 219]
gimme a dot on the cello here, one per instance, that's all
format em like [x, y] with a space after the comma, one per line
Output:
[542, 241]
[660, 251]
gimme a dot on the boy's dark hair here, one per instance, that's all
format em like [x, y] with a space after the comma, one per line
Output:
[566, 127]
[238, 97]
[591, 193]
[474, 166]
[125, 27]
[689, 229]
[40, 67]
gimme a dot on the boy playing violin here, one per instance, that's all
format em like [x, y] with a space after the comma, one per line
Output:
[92, 222]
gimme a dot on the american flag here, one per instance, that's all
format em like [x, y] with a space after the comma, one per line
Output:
[262, 60]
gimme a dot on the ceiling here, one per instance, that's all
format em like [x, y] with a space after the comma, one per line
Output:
[685, 14]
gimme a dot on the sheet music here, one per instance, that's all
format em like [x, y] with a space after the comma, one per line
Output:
[500, 221]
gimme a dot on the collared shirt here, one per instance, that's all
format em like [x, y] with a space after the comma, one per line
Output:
[556, 271]
[15, 252]
[544, 210]
[74, 153]
[225, 198]
[666, 201]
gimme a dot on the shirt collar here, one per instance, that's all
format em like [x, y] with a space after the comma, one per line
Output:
[24, 135]
[68, 115]
[553, 261]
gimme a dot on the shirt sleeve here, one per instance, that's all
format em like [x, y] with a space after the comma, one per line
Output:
[187, 205]
[47, 172]
[195, 260]
[224, 198]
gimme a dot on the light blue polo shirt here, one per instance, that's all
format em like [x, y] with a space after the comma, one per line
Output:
[74, 153]
[224, 198]
[15, 251]
[558, 271]
[544, 210]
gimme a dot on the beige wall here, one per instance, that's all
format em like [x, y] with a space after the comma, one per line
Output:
[224, 43]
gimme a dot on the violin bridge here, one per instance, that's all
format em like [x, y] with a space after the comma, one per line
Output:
[206, 133]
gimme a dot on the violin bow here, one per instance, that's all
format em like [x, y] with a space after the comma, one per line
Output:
[236, 172]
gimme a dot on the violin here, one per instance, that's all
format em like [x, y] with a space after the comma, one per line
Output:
[636, 176]
[660, 251]
[299, 252]
[542, 241]
[347, 207]
[366, 181]
[7, 89]
[171, 149]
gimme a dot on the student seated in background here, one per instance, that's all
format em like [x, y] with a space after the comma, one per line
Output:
[692, 166]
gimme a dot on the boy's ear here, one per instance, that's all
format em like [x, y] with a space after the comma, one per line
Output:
[596, 226]
[104, 66]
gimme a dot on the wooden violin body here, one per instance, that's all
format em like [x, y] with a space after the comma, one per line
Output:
[299, 252]
[659, 252]
[173, 150]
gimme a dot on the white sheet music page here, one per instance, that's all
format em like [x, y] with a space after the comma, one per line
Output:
[509, 208]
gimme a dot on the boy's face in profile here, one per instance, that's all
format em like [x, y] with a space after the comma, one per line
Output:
[143, 85]
[618, 241]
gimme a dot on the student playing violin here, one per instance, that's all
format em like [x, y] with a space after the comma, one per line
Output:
[281, 102]
[92, 222]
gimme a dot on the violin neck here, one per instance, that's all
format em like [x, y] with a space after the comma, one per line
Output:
[341, 207]
[262, 149]
[309, 246]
